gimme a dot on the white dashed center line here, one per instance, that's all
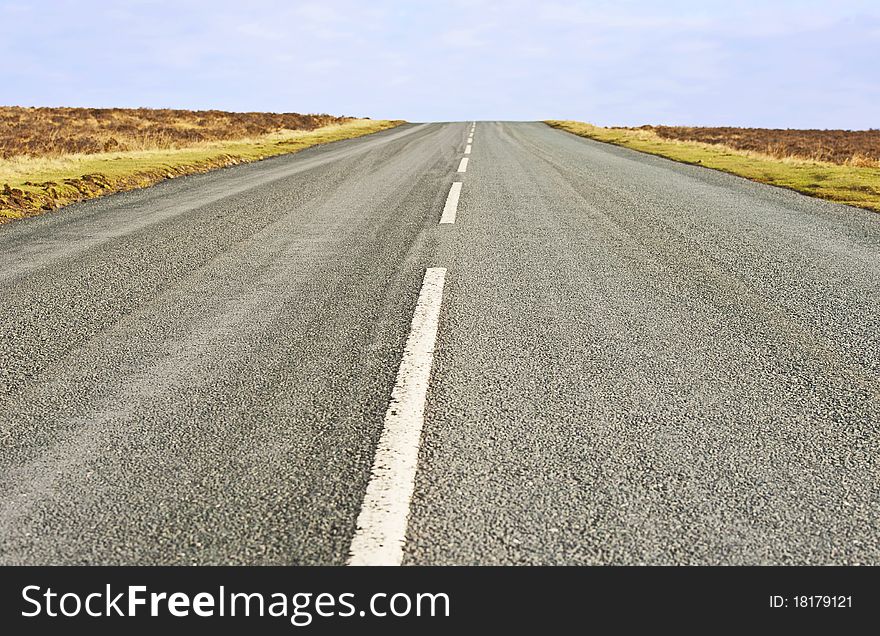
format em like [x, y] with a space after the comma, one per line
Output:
[451, 207]
[467, 150]
[462, 167]
[381, 525]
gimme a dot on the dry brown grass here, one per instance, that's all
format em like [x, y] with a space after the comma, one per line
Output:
[859, 148]
[50, 157]
[850, 181]
[48, 132]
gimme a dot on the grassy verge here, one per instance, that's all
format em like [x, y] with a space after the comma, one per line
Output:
[852, 185]
[32, 185]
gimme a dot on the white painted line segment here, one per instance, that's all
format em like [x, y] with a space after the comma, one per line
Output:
[451, 207]
[381, 525]
[462, 167]
[467, 150]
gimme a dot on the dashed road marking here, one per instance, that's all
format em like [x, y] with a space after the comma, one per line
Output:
[381, 525]
[451, 207]
[462, 167]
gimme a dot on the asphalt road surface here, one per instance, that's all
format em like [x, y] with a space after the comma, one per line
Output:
[631, 361]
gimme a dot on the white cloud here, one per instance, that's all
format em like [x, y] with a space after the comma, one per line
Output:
[635, 61]
[462, 39]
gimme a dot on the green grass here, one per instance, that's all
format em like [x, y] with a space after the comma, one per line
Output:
[32, 185]
[857, 186]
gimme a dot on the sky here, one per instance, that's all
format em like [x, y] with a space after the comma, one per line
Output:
[767, 63]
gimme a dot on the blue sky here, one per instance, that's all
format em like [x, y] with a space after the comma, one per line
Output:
[776, 63]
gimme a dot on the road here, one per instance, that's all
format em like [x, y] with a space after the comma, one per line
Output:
[599, 357]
